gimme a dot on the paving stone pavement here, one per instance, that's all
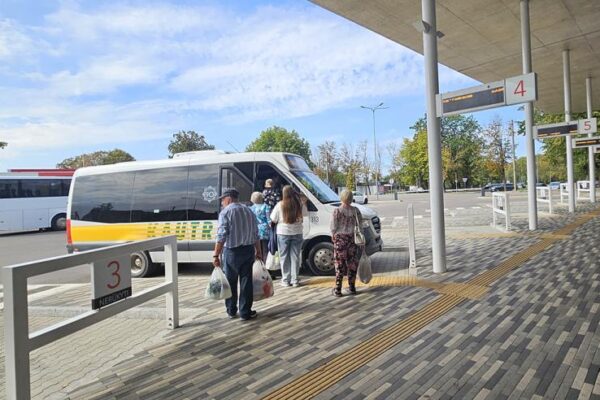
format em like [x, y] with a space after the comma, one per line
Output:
[534, 335]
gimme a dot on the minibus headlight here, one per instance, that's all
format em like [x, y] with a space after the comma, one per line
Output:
[366, 223]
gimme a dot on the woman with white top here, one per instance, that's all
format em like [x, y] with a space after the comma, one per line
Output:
[288, 215]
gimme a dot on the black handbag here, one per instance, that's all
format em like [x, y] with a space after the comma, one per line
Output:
[273, 239]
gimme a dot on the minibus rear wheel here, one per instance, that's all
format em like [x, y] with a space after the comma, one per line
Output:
[142, 265]
[320, 259]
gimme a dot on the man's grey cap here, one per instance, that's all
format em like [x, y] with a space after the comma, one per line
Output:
[231, 192]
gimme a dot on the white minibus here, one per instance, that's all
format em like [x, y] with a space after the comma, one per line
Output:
[144, 199]
[31, 202]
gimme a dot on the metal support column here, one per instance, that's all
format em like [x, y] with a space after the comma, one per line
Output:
[591, 154]
[567, 91]
[531, 165]
[436, 188]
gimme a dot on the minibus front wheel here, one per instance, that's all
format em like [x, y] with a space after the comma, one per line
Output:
[141, 265]
[320, 258]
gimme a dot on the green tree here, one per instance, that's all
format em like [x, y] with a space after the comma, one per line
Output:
[554, 167]
[188, 141]
[412, 161]
[96, 158]
[462, 144]
[497, 151]
[275, 139]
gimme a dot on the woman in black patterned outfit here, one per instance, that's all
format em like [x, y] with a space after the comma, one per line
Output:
[345, 252]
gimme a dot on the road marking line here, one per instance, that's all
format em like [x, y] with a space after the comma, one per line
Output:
[476, 208]
[460, 208]
[418, 216]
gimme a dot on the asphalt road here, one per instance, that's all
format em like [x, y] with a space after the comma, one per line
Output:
[24, 247]
[30, 246]
[420, 202]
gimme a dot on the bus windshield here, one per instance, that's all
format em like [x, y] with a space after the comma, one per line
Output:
[316, 186]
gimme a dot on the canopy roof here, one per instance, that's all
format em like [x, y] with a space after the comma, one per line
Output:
[483, 39]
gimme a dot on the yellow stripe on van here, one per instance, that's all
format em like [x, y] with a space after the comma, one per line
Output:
[186, 230]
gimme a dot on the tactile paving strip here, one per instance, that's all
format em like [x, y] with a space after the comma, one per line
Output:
[465, 290]
[314, 382]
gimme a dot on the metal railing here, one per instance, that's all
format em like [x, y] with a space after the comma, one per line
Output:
[501, 205]
[584, 190]
[19, 342]
[543, 194]
[564, 192]
[412, 247]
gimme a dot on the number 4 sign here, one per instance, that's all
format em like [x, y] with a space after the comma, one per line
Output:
[520, 89]
[111, 280]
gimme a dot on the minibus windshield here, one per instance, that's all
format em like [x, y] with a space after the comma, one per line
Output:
[316, 186]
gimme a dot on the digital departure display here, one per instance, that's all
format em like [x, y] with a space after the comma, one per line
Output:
[554, 130]
[586, 142]
[476, 100]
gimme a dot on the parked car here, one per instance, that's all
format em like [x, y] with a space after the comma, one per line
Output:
[540, 184]
[554, 185]
[499, 187]
[521, 185]
[360, 198]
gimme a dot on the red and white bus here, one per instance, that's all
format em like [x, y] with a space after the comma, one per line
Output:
[32, 199]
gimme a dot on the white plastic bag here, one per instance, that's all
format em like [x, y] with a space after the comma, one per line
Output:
[262, 284]
[364, 268]
[218, 286]
[273, 262]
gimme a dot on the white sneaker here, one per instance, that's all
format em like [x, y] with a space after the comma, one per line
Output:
[296, 284]
[285, 284]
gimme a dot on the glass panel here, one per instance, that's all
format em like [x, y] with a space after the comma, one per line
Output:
[232, 179]
[203, 197]
[160, 195]
[9, 188]
[316, 186]
[103, 198]
[296, 162]
[34, 188]
[66, 185]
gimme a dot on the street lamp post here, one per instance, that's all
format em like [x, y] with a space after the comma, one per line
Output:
[373, 109]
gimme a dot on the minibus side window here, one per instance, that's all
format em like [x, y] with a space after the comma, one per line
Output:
[232, 179]
[103, 198]
[203, 196]
[160, 195]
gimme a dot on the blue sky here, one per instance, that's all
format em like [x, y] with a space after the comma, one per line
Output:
[81, 76]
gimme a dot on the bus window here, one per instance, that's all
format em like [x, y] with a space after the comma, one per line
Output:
[203, 197]
[8, 188]
[232, 179]
[160, 195]
[103, 198]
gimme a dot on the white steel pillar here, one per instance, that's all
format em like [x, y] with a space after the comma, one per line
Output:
[591, 155]
[436, 188]
[567, 90]
[531, 170]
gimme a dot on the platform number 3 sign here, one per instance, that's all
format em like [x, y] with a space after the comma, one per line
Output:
[111, 280]
[521, 89]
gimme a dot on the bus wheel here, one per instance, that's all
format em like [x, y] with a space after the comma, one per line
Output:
[141, 265]
[320, 259]
[59, 222]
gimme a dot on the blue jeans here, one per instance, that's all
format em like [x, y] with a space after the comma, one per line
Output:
[237, 263]
[289, 254]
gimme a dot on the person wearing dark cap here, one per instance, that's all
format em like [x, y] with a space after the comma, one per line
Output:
[237, 247]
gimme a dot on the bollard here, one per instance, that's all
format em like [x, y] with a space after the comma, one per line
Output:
[482, 192]
[395, 195]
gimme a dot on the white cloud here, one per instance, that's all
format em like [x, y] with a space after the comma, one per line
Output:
[124, 73]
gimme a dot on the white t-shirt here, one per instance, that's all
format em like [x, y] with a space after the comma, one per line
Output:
[287, 229]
